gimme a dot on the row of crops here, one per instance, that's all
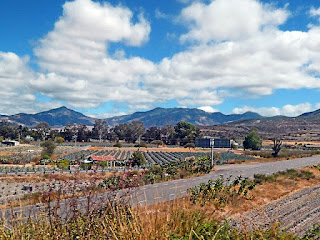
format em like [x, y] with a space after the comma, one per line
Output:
[160, 158]
[83, 154]
[167, 157]
[26, 169]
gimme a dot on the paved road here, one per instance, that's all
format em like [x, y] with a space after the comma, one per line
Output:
[166, 191]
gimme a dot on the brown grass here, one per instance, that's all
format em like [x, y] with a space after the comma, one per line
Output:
[263, 194]
[48, 177]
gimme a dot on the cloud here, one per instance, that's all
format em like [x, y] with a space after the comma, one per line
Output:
[16, 93]
[106, 115]
[229, 19]
[161, 15]
[314, 12]
[208, 109]
[75, 61]
[248, 54]
[286, 110]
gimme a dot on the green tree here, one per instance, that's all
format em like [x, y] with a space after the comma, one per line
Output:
[185, 132]
[137, 159]
[47, 148]
[59, 139]
[157, 142]
[43, 129]
[100, 129]
[189, 145]
[252, 141]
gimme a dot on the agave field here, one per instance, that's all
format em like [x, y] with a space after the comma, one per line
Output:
[120, 155]
[167, 157]
[20, 157]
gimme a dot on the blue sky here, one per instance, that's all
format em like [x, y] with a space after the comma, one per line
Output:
[106, 58]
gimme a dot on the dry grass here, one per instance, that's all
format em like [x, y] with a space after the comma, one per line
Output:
[164, 220]
[263, 194]
[48, 177]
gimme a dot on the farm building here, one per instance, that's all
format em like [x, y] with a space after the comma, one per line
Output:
[218, 143]
[10, 143]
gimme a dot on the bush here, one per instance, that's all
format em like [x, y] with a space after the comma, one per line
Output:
[137, 159]
[252, 141]
[48, 148]
[63, 164]
[142, 144]
[220, 192]
[189, 145]
[118, 145]
[157, 142]
[290, 173]
[60, 140]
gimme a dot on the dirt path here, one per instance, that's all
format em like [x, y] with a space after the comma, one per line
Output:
[297, 212]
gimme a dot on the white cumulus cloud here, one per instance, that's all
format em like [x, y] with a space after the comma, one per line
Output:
[286, 110]
[208, 109]
[229, 19]
[234, 46]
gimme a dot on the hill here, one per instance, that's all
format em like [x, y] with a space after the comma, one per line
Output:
[159, 117]
[58, 117]
[163, 116]
[302, 128]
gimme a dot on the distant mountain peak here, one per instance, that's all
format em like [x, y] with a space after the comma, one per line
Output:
[171, 116]
[57, 117]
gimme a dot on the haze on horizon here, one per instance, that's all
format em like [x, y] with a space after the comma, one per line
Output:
[106, 58]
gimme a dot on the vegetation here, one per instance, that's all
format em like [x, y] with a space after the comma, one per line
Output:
[63, 164]
[252, 141]
[276, 147]
[141, 144]
[189, 145]
[48, 149]
[118, 221]
[118, 145]
[185, 132]
[60, 140]
[290, 173]
[285, 153]
[157, 142]
[221, 192]
[100, 129]
[137, 159]
[159, 173]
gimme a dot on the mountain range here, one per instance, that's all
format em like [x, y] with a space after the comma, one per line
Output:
[224, 125]
[305, 127]
[171, 116]
[59, 117]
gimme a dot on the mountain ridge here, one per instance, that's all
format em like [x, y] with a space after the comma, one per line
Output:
[59, 117]
[171, 116]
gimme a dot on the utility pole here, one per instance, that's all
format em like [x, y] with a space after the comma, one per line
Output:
[212, 145]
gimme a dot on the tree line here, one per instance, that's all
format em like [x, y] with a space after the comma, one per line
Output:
[134, 132]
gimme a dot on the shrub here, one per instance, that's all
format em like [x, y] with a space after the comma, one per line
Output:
[157, 142]
[252, 141]
[63, 164]
[220, 192]
[141, 144]
[48, 148]
[189, 145]
[137, 159]
[59, 139]
[290, 173]
[118, 145]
